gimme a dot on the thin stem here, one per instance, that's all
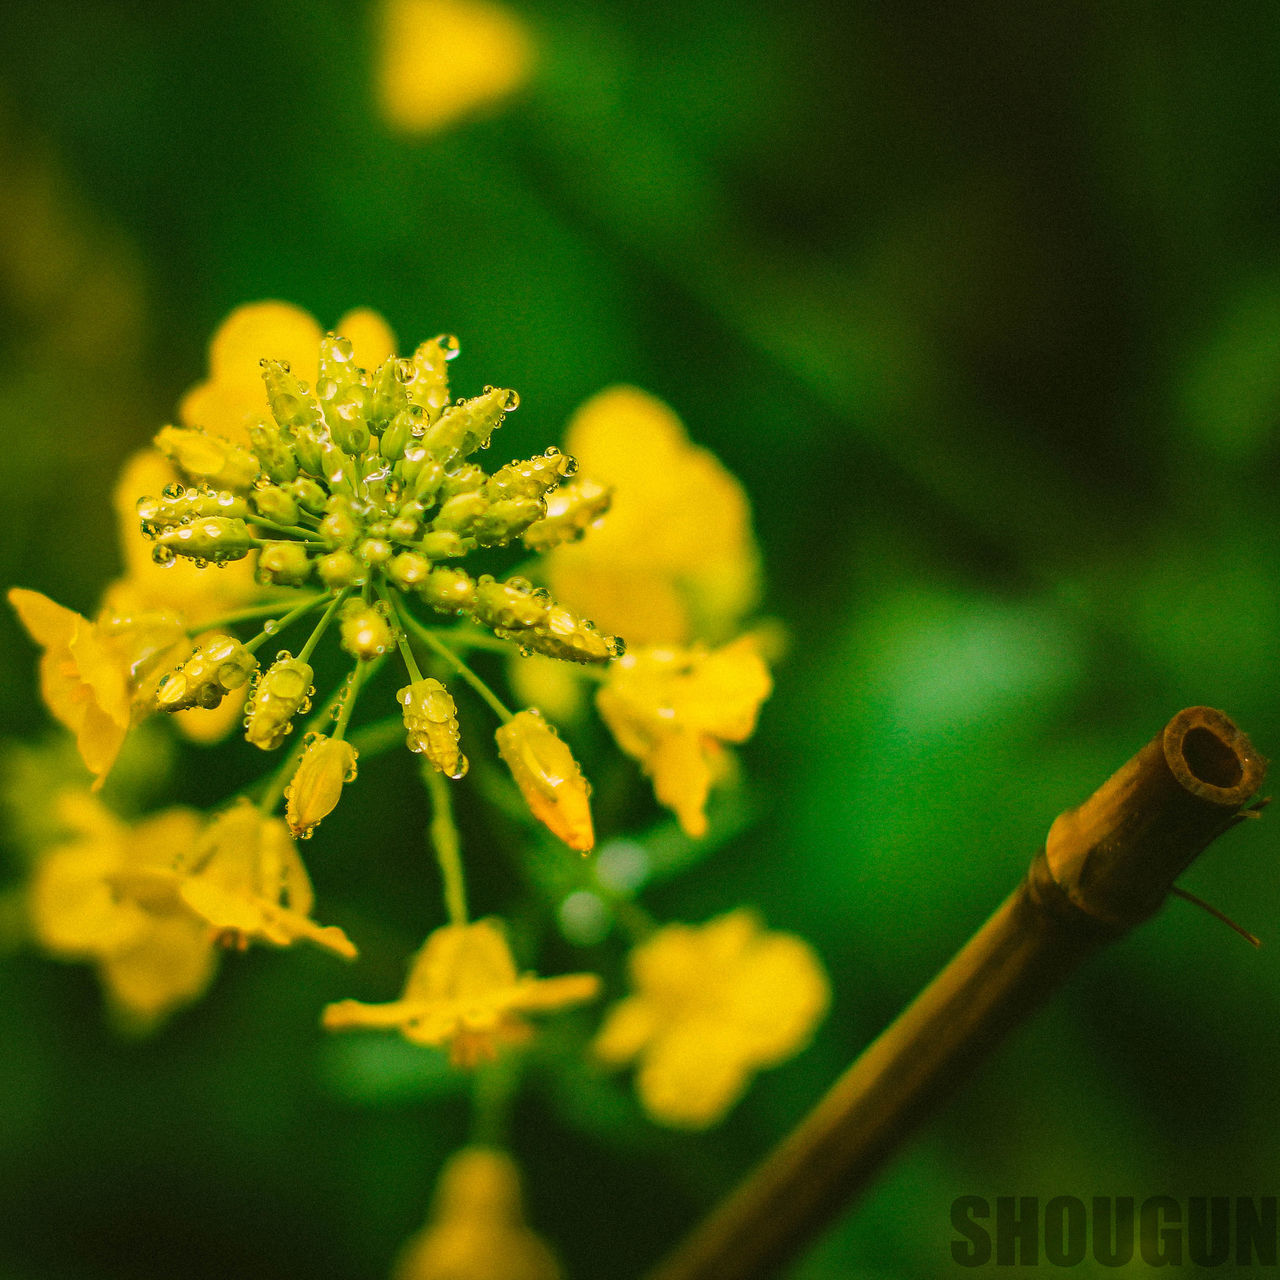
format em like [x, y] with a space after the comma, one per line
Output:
[283, 621]
[410, 662]
[355, 681]
[1216, 914]
[493, 1088]
[444, 839]
[468, 639]
[309, 648]
[428, 638]
[293, 530]
[251, 615]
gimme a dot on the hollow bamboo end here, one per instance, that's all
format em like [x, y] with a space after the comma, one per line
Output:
[1211, 758]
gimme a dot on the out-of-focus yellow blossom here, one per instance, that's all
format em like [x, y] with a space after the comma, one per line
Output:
[152, 954]
[671, 709]
[98, 677]
[548, 777]
[327, 764]
[463, 991]
[674, 559]
[232, 399]
[477, 1229]
[245, 878]
[441, 60]
[713, 1004]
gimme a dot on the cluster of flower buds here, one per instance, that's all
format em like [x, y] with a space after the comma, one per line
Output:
[364, 489]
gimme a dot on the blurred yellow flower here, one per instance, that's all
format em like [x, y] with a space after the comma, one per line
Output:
[714, 1004]
[442, 60]
[548, 777]
[99, 677]
[153, 955]
[463, 991]
[671, 709]
[674, 559]
[245, 878]
[477, 1229]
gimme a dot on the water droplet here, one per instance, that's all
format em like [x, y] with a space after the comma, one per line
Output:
[448, 344]
[164, 556]
[271, 626]
[512, 401]
[616, 645]
[172, 491]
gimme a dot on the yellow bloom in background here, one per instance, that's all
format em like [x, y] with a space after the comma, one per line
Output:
[97, 678]
[548, 777]
[674, 559]
[477, 1229]
[713, 1004]
[671, 709]
[442, 60]
[152, 954]
[246, 879]
[464, 992]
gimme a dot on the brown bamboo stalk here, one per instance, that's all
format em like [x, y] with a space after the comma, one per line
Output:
[1106, 866]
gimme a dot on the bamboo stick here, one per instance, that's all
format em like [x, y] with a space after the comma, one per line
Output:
[1106, 866]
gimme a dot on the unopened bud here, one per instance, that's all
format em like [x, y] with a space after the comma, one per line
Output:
[548, 777]
[431, 723]
[218, 666]
[327, 764]
[281, 692]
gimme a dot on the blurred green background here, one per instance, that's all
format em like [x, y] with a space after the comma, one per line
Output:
[981, 302]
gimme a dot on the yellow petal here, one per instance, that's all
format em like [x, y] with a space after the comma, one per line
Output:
[692, 1075]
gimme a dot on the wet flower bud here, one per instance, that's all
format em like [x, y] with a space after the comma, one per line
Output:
[548, 777]
[308, 446]
[218, 666]
[292, 405]
[513, 604]
[281, 692]
[341, 569]
[178, 505]
[309, 495]
[571, 510]
[409, 570]
[505, 520]
[284, 563]
[275, 504]
[340, 526]
[468, 478]
[431, 723]
[327, 764]
[213, 539]
[426, 481]
[461, 512]
[427, 384]
[448, 590]
[407, 526]
[467, 426]
[533, 478]
[274, 451]
[386, 399]
[208, 457]
[395, 439]
[562, 634]
[366, 632]
[342, 395]
[443, 544]
[374, 551]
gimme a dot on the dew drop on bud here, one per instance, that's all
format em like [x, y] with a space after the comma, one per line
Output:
[448, 344]
[164, 556]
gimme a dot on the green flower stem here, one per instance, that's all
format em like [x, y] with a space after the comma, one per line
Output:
[285, 619]
[429, 638]
[465, 638]
[410, 662]
[379, 736]
[493, 1089]
[444, 838]
[309, 648]
[293, 530]
[252, 615]
[355, 681]
[309, 541]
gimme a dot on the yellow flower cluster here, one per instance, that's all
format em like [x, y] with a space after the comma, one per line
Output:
[713, 1004]
[150, 903]
[465, 994]
[477, 1229]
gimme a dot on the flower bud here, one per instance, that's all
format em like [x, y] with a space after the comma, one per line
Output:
[386, 399]
[409, 570]
[341, 526]
[571, 510]
[275, 504]
[274, 452]
[533, 478]
[207, 457]
[513, 604]
[179, 505]
[461, 513]
[431, 723]
[562, 634]
[444, 544]
[341, 569]
[218, 666]
[548, 777]
[467, 426]
[505, 520]
[366, 633]
[281, 692]
[215, 539]
[309, 495]
[448, 590]
[428, 382]
[292, 405]
[326, 765]
[284, 563]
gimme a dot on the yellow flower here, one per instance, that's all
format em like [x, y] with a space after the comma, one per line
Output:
[548, 777]
[674, 558]
[245, 878]
[152, 954]
[327, 764]
[463, 991]
[672, 708]
[714, 1003]
[98, 677]
[477, 1229]
[442, 60]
